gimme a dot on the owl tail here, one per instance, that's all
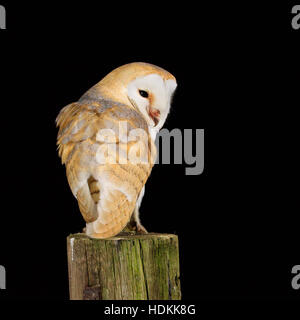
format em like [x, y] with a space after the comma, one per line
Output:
[105, 216]
[113, 216]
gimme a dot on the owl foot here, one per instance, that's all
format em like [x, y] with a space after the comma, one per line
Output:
[141, 229]
[134, 227]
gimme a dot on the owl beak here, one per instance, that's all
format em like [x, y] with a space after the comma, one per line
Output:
[154, 115]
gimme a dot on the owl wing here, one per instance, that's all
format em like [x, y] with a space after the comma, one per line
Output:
[106, 167]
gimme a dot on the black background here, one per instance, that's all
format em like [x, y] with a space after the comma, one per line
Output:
[238, 78]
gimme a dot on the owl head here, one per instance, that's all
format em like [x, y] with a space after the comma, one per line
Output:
[143, 86]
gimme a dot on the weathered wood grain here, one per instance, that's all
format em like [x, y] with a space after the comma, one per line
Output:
[124, 267]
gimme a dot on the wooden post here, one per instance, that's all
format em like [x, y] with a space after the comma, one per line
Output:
[124, 267]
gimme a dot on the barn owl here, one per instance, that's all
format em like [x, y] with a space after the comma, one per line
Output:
[109, 193]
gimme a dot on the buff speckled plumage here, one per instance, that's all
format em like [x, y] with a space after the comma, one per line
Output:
[106, 193]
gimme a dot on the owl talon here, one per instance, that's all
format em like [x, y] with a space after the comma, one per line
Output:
[141, 229]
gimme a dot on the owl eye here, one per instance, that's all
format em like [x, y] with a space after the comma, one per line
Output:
[144, 93]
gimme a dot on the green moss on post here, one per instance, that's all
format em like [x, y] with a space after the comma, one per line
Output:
[125, 267]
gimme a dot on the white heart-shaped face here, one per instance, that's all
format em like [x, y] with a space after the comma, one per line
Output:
[152, 95]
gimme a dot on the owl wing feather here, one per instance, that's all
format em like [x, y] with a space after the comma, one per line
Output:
[106, 191]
